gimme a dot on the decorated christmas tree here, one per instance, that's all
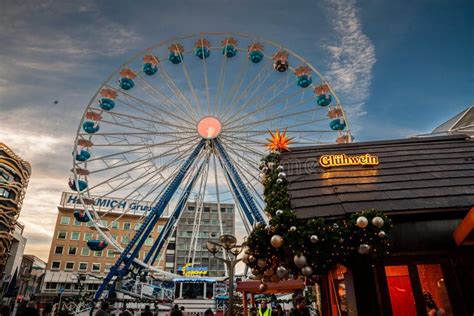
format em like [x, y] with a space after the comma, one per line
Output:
[289, 247]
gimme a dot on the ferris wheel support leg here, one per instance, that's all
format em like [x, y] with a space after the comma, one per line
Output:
[128, 255]
[160, 241]
[238, 181]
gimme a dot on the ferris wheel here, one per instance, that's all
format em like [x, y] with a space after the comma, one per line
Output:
[187, 120]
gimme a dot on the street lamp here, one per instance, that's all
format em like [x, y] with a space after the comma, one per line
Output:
[232, 250]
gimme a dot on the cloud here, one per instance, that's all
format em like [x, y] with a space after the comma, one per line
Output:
[352, 57]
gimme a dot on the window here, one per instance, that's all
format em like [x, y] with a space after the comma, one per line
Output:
[169, 265]
[96, 267]
[149, 241]
[64, 220]
[62, 235]
[207, 209]
[127, 225]
[160, 228]
[230, 210]
[69, 266]
[89, 224]
[75, 235]
[72, 250]
[58, 250]
[107, 267]
[400, 290]
[214, 222]
[222, 209]
[5, 176]
[433, 286]
[85, 251]
[103, 223]
[97, 253]
[88, 236]
[115, 225]
[214, 210]
[137, 226]
[76, 223]
[110, 254]
[213, 235]
[125, 239]
[205, 234]
[206, 222]
[191, 208]
[82, 266]
[4, 192]
[55, 265]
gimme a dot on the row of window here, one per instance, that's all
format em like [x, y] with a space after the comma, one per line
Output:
[66, 220]
[10, 194]
[208, 209]
[85, 252]
[4, 176]
[83, 266]
[201, 234]
[125, 239]
[70, 286]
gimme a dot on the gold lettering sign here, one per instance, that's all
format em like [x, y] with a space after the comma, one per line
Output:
[327, 161]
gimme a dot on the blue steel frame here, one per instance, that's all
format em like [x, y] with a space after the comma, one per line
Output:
[123, 263]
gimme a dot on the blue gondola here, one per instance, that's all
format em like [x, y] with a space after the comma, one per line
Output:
[81, 216]
[90, 127]
[106, 104]
[202, 52]
[82, 185]
[324, 99]
[229, 51]
[304, 81]
[97, 245]
[126, 83]
[256, 56]
[337, 124]
[83, 155]
[175, 58]
[150, 69]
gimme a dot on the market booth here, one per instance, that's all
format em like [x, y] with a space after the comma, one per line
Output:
[426, 186]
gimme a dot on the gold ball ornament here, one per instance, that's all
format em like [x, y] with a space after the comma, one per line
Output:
[276, 241]
[362, 222]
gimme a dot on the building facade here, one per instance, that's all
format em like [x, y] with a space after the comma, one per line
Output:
[191, 239]
[31, 276]
[14, 175]
[71, 260]
[425, 185]
[17, 247]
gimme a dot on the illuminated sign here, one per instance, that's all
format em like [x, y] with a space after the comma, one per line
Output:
[344, 160]
[189, 270]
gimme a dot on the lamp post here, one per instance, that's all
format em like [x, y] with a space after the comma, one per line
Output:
[232, 250]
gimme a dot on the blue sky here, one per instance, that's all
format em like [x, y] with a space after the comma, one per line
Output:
[399, 67]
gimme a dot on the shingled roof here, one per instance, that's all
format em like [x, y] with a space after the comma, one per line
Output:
[422, 174]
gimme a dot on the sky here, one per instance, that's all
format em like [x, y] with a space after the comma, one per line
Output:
[400, 68]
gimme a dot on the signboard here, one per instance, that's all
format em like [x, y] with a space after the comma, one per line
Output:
[189, 270]
[71, 200]
[339, 160]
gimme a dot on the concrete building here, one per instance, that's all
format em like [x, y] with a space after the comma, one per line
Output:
[14, 175]
[17, 247]
[209, 229]
[70, 256]
[31, 276]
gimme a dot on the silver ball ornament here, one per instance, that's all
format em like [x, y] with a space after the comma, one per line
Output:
[335, 226]
[279, 181]
[292, 228]
[281, 272]
[276, 241]
[377, 221]
[300, 261]
[279, 212]
[307, 271]
[363, 249]
[314, 239]
[281, 175]
[280, 168]
[382, 234]
[362, 222]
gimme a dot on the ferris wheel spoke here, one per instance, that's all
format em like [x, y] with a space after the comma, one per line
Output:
[219, 210]
[236, 143]
[178, 93]
[190, 85]
[140, 101]
[206, 82]
[220, 85]
[257, 80]
[161, 97]
[236, 85]
[178, 144]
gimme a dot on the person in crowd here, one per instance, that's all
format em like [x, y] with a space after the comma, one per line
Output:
[175, 311]
[300, 307]
[253, 311]
[147, 311]
[125, 311]
[431, 307]
[29, 310]
[264, 310]
[278, 311]
[208, 312]
[48, 309]
[104, 309]
[182, 311]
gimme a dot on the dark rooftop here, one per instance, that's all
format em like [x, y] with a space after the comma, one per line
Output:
[424, 174]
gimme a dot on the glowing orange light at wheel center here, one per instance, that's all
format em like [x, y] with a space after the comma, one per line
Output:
[209, 127]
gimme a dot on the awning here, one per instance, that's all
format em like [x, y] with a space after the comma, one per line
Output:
[464, 233]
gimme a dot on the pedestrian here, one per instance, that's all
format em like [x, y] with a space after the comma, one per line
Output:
[182, 311]
[125, 311]
[208, 312]
[175, 311]
[147, 311]
[104, 309]
[431, 307]
[48, 309]
[300, 307]
[278, 311]
[264, 310]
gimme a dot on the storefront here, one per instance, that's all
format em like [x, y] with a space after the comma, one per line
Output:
[426, 186]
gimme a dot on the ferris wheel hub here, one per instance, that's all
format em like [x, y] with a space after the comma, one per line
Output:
[209, 127]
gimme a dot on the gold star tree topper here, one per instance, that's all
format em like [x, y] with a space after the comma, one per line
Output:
[279, 141]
